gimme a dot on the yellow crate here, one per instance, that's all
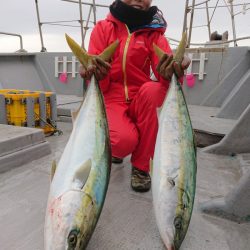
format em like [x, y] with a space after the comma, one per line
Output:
[16, 108]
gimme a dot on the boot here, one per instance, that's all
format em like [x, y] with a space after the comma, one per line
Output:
[140, 180]
[117, 160]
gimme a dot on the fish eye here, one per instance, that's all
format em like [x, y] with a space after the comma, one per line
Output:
[178, 223]
[72, 238]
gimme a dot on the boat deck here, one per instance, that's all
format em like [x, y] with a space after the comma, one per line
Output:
[204, 119]
[127, 220]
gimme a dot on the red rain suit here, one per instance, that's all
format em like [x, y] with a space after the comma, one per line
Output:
[131, 97]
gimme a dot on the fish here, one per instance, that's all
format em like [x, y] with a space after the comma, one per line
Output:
[80, 179]
[174, 165]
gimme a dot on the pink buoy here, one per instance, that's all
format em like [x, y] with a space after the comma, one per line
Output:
[190, 80]
[63, 78]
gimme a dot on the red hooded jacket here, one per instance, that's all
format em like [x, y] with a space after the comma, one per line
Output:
[132, 59]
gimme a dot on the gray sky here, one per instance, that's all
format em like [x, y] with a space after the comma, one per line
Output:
[20, 17]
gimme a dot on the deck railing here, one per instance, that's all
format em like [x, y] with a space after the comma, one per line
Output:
[20, 37]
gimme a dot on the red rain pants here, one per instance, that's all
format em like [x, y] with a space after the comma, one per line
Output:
[133, 126]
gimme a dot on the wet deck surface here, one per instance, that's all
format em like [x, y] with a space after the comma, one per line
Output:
[127, 220]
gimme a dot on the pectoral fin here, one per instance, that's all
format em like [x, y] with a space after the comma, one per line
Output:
[82, 174]
[53, 170]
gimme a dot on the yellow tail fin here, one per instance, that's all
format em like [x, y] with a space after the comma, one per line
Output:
[178, 56]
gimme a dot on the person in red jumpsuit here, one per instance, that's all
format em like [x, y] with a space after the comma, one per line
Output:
[131, 96]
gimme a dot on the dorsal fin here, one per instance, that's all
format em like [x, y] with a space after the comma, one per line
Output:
[53, 170]
[82, 174]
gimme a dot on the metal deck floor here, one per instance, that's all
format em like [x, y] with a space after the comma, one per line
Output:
[127, 220]
[204, 118]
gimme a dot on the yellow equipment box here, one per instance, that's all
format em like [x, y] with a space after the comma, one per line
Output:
[28, 109]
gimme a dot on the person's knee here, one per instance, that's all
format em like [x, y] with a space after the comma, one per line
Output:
[152, 93]
[124, 143]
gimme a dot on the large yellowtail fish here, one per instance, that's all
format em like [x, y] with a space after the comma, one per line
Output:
[174, 165]
[80, 181]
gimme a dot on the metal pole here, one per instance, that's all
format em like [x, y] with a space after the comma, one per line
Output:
[85, 33]
[191, 24]
[40, 29]
[87, 23]
[97, 5]
[94, 11]
[20, 37]
[208, 22]
[81, 22]
[185, 17]
[233, 23]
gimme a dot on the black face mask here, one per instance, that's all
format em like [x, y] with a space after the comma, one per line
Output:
[131, 16]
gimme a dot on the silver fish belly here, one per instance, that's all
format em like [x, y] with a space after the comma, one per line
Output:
[174, 169]
[80, 182]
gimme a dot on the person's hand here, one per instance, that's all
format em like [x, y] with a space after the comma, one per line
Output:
[97, 66]
[167, 67]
